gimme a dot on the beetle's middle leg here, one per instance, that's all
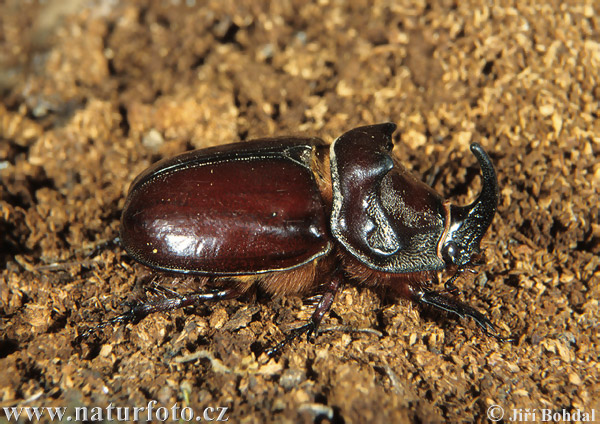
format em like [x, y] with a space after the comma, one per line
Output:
[312, 326]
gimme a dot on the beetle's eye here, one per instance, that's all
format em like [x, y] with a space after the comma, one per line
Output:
[449, 252]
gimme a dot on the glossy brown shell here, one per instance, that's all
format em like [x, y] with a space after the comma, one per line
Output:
[237, 209]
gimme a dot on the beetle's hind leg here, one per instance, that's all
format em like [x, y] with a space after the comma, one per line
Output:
[312, 326]
[166, 300]
[452, 305]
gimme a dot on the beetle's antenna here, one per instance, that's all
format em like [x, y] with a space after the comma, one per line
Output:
[126, 318]
[476, 260]
[449, 284]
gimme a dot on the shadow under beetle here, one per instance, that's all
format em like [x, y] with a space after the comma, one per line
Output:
[295, 216]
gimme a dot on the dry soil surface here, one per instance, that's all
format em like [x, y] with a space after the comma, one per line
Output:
[92, 92]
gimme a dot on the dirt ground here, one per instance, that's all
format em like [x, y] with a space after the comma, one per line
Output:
[95, 91]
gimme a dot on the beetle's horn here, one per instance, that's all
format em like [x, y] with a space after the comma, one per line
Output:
[469, 223]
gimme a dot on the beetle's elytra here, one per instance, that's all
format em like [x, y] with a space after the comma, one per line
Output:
[298, 216]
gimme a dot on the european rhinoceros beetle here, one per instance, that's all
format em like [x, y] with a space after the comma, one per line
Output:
[297, 216]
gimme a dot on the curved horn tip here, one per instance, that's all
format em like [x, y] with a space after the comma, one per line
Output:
[485, 163]
[479, 151]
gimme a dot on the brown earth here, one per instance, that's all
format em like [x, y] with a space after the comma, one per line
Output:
[93, 92]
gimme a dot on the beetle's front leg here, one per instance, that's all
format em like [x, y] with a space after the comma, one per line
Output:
[450, 304]
[312, 326]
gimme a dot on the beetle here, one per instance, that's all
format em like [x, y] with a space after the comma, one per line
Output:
[295, 216]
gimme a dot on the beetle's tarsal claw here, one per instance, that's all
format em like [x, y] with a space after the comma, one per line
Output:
[309, 329]
[488, 328]
[511, 339]
[482, 321]
[127, 317]
[312, 330]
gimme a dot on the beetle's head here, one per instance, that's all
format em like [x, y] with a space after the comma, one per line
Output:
[468, 224]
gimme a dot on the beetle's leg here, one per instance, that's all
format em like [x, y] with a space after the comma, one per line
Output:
[104, 245]
[172, 301]
[449, 304]
[312, 326]
[176, 301]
